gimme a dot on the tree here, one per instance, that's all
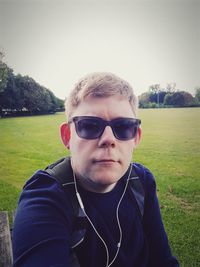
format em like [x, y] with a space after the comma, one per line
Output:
[179, 99]
[189, 99]
[8, 95]
[170, 88]
[19, 80]
[155, 89]
[53, 101]
[144, 100]
[60, 104]
[168, 100]
[197, 94]
[3, 73]
[23, 94]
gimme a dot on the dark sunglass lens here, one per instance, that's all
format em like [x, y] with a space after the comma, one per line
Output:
[88, 128]
[125, 129]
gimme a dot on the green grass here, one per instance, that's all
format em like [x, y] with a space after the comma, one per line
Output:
[170, 148]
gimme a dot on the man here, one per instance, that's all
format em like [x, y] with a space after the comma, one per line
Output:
[123, 226]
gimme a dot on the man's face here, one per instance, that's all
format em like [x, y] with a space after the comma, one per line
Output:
[100, 163]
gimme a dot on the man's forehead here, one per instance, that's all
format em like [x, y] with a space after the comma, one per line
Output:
[115, 106]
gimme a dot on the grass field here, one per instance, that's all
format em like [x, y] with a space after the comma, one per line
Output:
[170, 147]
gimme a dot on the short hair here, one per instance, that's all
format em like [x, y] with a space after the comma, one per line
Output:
[99, 84]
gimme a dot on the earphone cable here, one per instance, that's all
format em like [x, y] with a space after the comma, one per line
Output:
[118, 221]
[117, 217]
[88, 218]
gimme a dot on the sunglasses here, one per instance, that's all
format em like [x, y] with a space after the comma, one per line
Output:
[89, 127]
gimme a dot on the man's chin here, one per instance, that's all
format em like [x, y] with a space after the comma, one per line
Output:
[106, 180]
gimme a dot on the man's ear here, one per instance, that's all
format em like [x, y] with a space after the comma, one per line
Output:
[138, 136]
[65, 134]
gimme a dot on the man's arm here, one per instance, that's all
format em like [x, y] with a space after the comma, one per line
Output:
[42, 225]
[159, 249]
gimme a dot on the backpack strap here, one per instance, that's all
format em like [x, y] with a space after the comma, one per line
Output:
[61, 170]
[137, 190]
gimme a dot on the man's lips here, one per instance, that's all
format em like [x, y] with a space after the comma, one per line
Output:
[105, 161]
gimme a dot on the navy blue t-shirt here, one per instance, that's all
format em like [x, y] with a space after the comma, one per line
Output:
[44, 223]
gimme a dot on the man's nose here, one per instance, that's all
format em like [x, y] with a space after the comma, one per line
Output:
[107, 138]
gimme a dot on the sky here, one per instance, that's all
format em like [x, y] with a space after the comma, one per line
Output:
[56, 42]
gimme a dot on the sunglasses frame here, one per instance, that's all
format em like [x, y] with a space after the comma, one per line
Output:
[105, 123]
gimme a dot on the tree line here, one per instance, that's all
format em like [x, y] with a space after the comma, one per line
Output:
[168, 97]
[22, 95]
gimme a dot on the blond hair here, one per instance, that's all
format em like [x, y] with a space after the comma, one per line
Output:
[99, 84]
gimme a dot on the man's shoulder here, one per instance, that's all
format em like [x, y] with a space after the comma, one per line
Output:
[43, 190]
[43, 184]
[141, 170]
[145, 175]
[40, 179]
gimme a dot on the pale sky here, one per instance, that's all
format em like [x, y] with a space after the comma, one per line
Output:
[144, 41]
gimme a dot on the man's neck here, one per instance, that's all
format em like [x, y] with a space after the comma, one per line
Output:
[95, 187]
